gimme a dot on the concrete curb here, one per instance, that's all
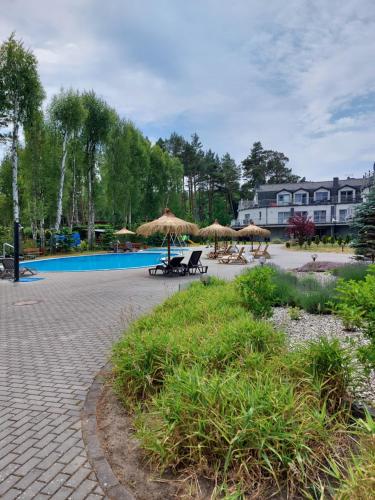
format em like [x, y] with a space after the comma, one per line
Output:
[95, 453]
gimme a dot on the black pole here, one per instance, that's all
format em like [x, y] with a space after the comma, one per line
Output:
[16, 251]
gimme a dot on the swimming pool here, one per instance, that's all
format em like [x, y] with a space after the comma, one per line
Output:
[97, 262]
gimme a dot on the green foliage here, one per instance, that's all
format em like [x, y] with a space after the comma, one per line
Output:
[356, 272]
[6, 236]
[294, 313]
[330, 366]
[364, 225]
[211, 325]
[325, 239]
[21, 92]
[358, 296]
[257, 290]
[317, 239]
[306, 293]
[216, 392]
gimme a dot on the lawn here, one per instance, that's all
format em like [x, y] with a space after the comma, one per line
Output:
[321, 248]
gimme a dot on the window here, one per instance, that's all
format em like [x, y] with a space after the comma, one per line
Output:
[284, 198]
[260, 215]
[343, 215]
[346, 196]
[283, 217]
[300, 198]
[301, 214]
[321, 196]
[320, 216]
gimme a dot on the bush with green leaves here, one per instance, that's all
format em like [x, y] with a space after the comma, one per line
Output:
[216, 392]
[304, 292]
[359, 296]
[257, 290]
[348, 272]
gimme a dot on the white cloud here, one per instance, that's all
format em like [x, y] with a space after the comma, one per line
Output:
[235, 72]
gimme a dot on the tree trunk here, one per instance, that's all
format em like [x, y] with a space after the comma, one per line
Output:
[91, 207]
[61, 187]
[42, 234]
[14, 156]
[74, 219]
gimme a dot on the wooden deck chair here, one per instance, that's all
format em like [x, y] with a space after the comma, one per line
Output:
[262, 253]
[234, 258]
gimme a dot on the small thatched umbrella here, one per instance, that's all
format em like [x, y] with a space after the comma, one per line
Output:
[123, 231]
[167, 224]
[217, 230]
[253, 230]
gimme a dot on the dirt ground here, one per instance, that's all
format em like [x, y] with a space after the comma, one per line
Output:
[128, 462]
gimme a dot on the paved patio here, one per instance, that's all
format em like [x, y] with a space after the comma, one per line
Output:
[55, 335]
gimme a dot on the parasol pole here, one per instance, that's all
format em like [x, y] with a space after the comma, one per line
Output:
[169, 247]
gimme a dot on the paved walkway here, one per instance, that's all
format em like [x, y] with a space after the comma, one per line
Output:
[55, 335]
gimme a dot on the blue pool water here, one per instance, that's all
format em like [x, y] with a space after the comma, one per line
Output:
[98, 262]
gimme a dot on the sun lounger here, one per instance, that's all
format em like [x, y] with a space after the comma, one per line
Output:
[174, 267]
[8, 272]
[194, 265]
[262, 253]
[237, 258]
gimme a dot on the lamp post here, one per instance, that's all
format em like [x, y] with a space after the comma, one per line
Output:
[16, 240]
[334, 226]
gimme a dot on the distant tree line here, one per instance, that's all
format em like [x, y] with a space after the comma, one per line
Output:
[77, 162]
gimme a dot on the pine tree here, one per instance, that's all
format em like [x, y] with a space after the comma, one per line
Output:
[364, 224]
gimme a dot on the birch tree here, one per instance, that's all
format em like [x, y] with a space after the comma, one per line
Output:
[21, 94]
[96, 127]
[67, 113]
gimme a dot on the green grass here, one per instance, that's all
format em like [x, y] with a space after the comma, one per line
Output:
[356, 272]
[216, 393]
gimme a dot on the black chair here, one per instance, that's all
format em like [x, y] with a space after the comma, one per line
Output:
[194, 265]
[8, 272]
[174, 267]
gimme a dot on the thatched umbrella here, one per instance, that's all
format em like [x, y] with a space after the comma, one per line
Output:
[167, 224]
[253, 230]
[217, 230]
[123, 231]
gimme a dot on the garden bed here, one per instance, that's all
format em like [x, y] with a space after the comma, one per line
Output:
[212, 402]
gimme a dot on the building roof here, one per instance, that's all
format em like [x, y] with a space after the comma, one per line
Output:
[295, 186]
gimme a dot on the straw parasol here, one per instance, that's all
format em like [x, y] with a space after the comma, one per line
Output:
[253, 230]
[123, 231]
[217, 230]
[167, 224]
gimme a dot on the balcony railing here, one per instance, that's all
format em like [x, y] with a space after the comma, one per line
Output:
[267, 203]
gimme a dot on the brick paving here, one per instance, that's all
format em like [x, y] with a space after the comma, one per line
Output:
[50, 351]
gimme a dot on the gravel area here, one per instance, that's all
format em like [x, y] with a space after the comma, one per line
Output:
[312, 326]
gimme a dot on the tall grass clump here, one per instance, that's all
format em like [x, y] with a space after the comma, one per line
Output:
[257, 290]
[331, 367]
[216, 394]
[356, 272]
[204, 324]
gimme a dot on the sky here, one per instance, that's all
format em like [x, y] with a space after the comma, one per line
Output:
[299, 76]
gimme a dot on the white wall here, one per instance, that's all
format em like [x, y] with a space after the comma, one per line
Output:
[269, 215]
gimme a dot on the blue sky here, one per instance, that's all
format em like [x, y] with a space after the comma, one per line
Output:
[299, 76]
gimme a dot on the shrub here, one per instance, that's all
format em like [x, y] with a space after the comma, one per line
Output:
[317, 240]
[330, 366]
[355, 272]
[287, 244]
[306, 293]
[204, 324]
[325, 239]
[294, 313]
[277, 241]
[257, 290]
[235, 428]
[360, 297]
